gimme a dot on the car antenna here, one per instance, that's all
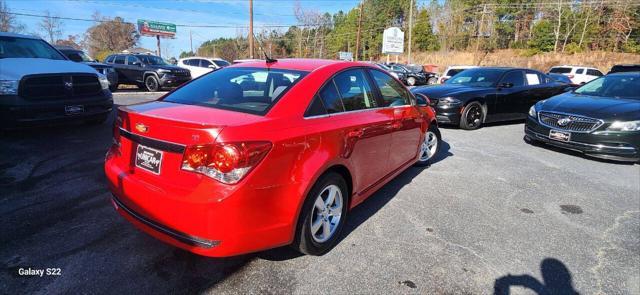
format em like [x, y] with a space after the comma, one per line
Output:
[266, 57]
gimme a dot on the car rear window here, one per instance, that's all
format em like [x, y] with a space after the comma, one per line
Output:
[453, 72]
[560, 70]
[248, 90]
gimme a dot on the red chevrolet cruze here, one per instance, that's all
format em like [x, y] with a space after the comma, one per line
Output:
[263, 154]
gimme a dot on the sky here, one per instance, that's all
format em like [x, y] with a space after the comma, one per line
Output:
[187, 12]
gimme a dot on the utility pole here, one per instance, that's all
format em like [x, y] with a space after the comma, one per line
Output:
[358, 33]
[191, 41]
[158, 43]
[250, 28]
[484, 11]
[410, 29]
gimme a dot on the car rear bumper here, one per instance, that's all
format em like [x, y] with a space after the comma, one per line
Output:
[204, 217]
[18, 112]
[609, 146]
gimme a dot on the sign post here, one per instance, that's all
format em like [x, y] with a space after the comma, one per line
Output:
[393, 41]
[156, 29]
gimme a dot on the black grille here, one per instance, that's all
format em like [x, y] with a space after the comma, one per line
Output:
[59, 86]
[181, 73]
[569, 122]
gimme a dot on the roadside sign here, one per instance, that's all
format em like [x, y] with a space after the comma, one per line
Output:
[393, 41]
[345, 56]
[154, 28]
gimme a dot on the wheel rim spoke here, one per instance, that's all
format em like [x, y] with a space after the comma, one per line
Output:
[326, 213]
[320, 204]
[316, 225]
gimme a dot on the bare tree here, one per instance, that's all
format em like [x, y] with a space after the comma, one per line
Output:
[110, 35]
[558, 27]
[52, 27]
[8, 21]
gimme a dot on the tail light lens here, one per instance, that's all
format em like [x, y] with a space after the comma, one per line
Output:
[225, 162]
[116, 130]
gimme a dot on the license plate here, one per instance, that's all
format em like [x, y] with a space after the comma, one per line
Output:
[559, 135]
[74, 109]
[148, 159]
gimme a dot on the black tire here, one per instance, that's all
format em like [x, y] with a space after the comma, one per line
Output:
[97, 120]
[304, 242]
[151, 83]
[432, 80]
[473, 116]
[433, 128]
[113, 87]
[411, 81]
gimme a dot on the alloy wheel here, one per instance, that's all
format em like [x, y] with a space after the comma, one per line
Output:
[474, 116]
[429, 146]
[151, 84]
[326, 213]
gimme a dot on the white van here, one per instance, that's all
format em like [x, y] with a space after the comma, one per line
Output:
[577, 74]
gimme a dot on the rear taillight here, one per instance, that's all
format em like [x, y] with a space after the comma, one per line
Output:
[116, 130]
[225, 162]
[570, 76]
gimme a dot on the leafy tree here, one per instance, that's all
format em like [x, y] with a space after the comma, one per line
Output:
[186, 54]
[110, 36]
[543, 37]
[423, 36]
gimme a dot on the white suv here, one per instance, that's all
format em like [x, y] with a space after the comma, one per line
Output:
[452, 71]
[201, 65]
[578, 74]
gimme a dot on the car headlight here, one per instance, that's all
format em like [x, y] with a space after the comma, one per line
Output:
[449, 102]
[624, 126]
[164, 71]
[532, 111]
[104, 82]
[8, 87]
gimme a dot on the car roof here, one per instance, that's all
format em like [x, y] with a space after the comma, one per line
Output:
[300, 64]
[64, 47]
[7, 34]
[573, 66]
[201, 57]
[633, 73]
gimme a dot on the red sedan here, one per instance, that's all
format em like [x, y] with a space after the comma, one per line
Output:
[263, 154]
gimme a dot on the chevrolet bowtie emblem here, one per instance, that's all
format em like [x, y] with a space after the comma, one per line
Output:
[142, 128]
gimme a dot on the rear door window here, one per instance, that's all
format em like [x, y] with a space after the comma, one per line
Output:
[249, 90]
[392, 93]
[119, 60]
[354, 90]
[131, 59]
[596, 73]
[560, 70]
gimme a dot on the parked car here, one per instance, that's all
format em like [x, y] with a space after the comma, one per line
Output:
[147, 71]
[561, 78]
[78, 55]
[415, 74]
[39, 84]
[452, 71]
[220, 168]
[578, 74]
[199, 66]
[398, 75]
[625, 68]
[600, 119]
[477, 96]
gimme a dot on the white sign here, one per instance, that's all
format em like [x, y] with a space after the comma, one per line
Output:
[345, 56]
[393, 41]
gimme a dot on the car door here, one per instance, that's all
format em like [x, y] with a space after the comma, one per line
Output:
[406, 132]
[540, 87]
[511, 94]
[365, 127]
[205, 67]
[120, 67]
[134, 71]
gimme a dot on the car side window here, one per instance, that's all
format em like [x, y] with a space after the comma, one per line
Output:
[515, 78]
[533, 78]
[119, 60]
[596, 73]
[109, 59]
[393, 94]
[331, 98]
[316, 108]
[354, 90]
[131, 59]
[193, 62]
[580, 71]
[204, 63]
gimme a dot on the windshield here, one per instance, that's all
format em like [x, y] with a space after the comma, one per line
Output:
[77, 56]
[221, 63]
[15, 47]
[152, 60]
[249, 90]
[477, 77]
[618, 86]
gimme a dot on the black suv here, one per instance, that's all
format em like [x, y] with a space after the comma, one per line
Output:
[415, 74]
[147, 71]
[78, 55]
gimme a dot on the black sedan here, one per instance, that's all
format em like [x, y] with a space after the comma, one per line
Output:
[480, 95]
[600, 119]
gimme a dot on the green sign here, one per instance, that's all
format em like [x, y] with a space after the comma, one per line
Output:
[154, 28]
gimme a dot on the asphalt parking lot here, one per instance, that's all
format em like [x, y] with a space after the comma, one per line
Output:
[490, 213]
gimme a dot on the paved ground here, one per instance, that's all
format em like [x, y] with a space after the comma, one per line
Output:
[492, 212]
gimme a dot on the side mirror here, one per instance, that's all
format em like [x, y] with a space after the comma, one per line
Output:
[505, 85]
[422, 100]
